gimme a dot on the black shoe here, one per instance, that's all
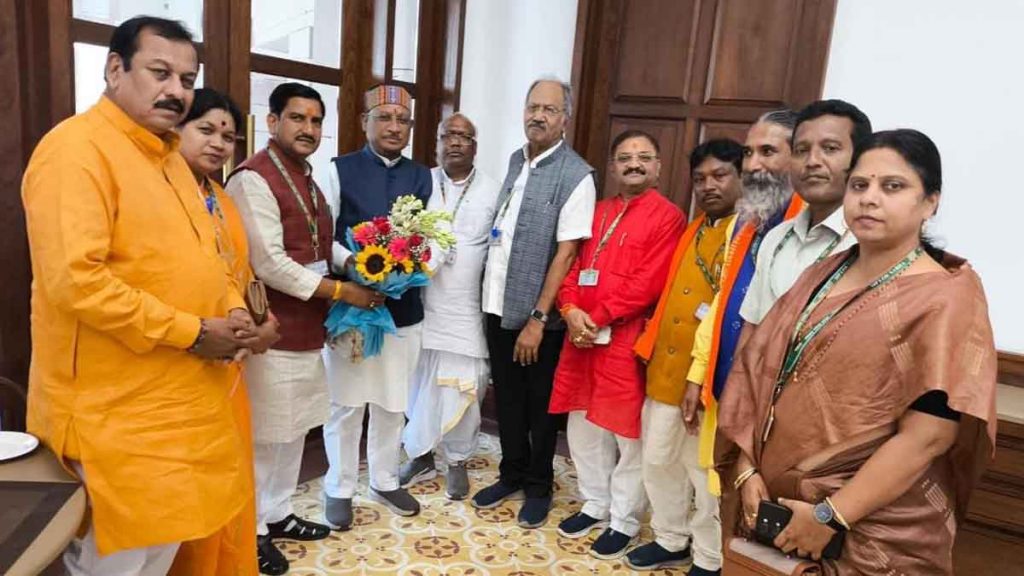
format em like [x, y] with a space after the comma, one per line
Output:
[417, 470]
[271, 560]
[652, 556]
[398, 501]
[698, 571]
[610, 545]
[534, 512]
[295, 528]
[493, 495]
[578, 525]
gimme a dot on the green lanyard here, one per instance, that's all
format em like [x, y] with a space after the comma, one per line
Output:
[312, 221]
[608, 234]
[465, 189]
[798, 344]
[711, 277]
[792, 232]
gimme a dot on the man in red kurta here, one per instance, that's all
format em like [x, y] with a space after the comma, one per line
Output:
[605, 300]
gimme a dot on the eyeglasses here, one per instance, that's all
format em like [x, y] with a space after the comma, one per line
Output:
[643, 158]
[547, 109]
[389, 118]
[456, 138]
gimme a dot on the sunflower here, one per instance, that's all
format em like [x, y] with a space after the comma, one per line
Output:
[405, 265]
[374, 263]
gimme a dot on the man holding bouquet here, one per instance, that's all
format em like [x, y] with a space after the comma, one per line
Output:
[365, 185]
[290, 230]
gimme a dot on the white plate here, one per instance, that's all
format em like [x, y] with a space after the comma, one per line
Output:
[14, 444]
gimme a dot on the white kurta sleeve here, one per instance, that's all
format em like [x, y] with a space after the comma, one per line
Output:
[339, 253]
[262, 218]
[577, 215]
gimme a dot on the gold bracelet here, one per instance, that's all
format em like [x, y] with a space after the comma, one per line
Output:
[835, 512]
[746, 475]
[337, 290]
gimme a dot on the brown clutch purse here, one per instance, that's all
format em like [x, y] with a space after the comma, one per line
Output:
[256, 300]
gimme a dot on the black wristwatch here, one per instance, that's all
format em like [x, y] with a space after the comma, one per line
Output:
[825, 514]
[539, 316]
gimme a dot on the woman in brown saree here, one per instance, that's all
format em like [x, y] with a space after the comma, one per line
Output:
[865, 400]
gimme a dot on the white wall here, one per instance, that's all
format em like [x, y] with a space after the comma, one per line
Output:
[955, 71]
[507, 45]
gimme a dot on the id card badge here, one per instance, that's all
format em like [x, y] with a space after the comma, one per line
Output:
[495, 238]
[452, 253]
[320, 267]
[702, 310]
[588, 277]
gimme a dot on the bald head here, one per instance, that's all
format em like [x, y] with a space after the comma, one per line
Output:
[456, 145]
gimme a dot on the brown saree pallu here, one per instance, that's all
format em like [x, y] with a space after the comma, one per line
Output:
[857, 377]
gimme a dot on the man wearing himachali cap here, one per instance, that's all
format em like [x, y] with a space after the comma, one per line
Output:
[364, 185]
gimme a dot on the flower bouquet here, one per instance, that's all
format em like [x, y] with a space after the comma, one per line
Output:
[392, 255]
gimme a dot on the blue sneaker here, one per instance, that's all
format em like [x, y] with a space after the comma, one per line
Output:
[610, 545]
[493, 495]
[652, 556]
[579, 525]
[534, 512]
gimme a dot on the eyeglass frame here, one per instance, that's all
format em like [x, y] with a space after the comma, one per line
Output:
[447, 137]
[547, 109]
[623, 159]
[389, 118]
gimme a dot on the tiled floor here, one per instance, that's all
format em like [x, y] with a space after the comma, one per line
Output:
[451, 538]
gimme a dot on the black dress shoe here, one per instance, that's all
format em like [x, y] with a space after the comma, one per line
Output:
[295, 528]
[271, 561]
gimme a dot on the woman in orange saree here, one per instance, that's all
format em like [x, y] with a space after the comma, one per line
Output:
[208, 136]
[865, 401]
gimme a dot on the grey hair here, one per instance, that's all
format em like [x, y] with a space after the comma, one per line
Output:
[443, 123]
[566, 91]
[785, 118]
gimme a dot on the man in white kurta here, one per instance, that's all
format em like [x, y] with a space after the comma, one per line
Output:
[452, 374]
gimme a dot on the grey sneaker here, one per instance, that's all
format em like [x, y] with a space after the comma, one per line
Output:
[338, 512]
[418, 469]
[457, 481]
[398, 501]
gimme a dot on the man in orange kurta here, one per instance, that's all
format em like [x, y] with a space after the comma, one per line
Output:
[132, 307]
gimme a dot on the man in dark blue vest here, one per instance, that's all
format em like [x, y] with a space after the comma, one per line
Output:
[364, 185]
[545, 208]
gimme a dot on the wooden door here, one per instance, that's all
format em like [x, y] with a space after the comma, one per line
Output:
[690, 70]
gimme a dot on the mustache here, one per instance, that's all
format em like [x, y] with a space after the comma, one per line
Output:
[172, 104]
[634, 170]
[535, 124]
[306, 138]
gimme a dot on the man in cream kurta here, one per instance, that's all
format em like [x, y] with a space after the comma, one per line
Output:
[133, 312]
[452, 373]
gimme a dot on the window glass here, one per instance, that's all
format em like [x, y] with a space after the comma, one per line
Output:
[407, 16]
[304, 30]
[114, 12]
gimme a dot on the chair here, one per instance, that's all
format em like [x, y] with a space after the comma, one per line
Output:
[13, 403]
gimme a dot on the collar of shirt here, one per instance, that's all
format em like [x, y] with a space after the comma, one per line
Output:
[448, 178]
[541, 156]
[151, 144]
[716, 222]
[388, 162]
[835, 222]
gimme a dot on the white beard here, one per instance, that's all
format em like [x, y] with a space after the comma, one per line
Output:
[764, 195]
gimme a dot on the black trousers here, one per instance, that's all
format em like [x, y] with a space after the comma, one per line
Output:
[527, 432]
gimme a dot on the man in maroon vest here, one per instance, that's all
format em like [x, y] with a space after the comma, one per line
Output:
[290, 230]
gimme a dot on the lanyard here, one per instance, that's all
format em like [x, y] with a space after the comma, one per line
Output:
[504, 209]
[798, 344]
[465, 189]
[711, 277]
[311, 218]
[608, 234]
[792, 232]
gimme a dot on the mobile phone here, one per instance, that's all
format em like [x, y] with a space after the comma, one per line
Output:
[604, 336]
[772, 519]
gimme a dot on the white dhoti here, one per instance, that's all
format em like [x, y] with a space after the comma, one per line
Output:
[444, 405]
[288, 393]
[675, 483]
[382, 382]
[609, 473]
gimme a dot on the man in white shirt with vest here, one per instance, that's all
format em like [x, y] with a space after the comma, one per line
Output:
[822, 145]
[452, 374]
[545, 209]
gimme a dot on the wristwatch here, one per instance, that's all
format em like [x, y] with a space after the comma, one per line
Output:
[539, 316]
[825, 514]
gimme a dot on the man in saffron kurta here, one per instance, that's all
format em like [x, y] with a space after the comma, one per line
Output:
[130, 308]
[670, 464]
[605, 299]
[767, 200]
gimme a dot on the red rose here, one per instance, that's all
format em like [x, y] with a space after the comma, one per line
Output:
[415, 240]
[382, 225]
[425, 257]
